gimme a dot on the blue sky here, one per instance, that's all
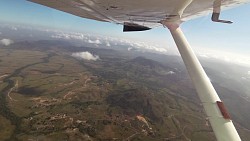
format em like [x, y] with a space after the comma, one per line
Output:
[201, 32]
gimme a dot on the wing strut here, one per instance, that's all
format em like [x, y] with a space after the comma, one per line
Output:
[219, 119]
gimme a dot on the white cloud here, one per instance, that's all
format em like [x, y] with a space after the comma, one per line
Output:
[224, 56]
[14, 28]
[107, 44]
[85, 55]
[68, 36]
[108, 41]
[244, 78]
[94, 42]
[203, 55]
[141, 46]
[171, 72]
[248, 73]
[6, 42]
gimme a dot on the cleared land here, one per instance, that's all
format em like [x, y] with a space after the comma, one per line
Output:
[46, 94]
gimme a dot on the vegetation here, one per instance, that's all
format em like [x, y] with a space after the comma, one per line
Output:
[46, 94]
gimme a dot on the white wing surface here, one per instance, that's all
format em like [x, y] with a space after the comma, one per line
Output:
[148, 13]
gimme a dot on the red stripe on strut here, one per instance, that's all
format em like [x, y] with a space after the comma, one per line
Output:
[223, 110]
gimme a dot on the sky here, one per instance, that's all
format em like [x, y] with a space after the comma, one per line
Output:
[203, 35]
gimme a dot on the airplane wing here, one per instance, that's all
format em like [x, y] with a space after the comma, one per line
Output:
[146, 13]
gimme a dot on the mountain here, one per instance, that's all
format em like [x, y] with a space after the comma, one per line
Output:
[48, 94]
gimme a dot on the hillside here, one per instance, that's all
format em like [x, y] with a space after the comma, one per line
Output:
[47, 94]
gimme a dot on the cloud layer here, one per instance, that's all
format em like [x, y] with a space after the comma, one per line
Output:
[110, 42]
[225, 56]
[6, 42]
[86, 56]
